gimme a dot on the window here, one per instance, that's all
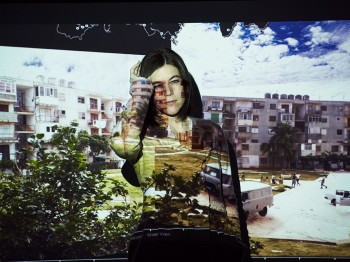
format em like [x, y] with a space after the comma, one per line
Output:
[215, 104]
[4, 108]
[244, 116]
[311, 108]
[272, 106]
[255, 130]
[61, 97]
[272, 118]
[81, 99]
[339, 132]
[271, 132]
[62, 113]
[335, 149]
[242, 129]
[45, 115]
[255, 141]
[317, 118]
[93, 103]
[51, 92]
[6, 130]
[51, 128]
[94, 117]
[6, 87]
[323, 108]
[245, 147]
[258, 105]
[81, 115]
[308, 147]
[287, 118]
[255, 117]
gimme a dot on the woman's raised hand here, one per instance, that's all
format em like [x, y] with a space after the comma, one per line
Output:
[135, 71]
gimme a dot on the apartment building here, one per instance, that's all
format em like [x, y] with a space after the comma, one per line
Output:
[30, 107]
[324, 126]
[35, 106]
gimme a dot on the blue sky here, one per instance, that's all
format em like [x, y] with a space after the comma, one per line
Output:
[286, 57]
[306, 57]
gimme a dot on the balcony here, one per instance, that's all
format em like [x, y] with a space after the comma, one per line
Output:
[97, 123]
[106, 132]
[24, 129]
[211, 108]
[24, 110]
[285, 110]
[8, 97]
[47, 101]
[8, 137]
[244, 109]
[228, 115]
[314, 112]
[8, 117]
[93, 108]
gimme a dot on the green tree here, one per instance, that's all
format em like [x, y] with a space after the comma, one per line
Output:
[96, 144]
[280, 145]
[52, 212]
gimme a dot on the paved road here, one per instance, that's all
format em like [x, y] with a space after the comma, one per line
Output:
[302, 213]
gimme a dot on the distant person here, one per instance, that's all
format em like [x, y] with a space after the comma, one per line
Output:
[281, 180]
[261, 179]
[322, 183]
[242, 177]
[273, 179]
[294, 180]
[296, 176]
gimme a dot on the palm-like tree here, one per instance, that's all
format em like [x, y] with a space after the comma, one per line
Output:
[280, 146]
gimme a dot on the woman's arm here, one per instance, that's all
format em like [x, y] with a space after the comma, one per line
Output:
[125, 140]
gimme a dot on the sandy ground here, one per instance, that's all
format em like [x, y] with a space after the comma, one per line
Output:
[303, 213]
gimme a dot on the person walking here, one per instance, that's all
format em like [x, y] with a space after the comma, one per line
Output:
[322, 183]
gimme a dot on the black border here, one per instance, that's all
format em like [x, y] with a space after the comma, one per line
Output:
[158, 11]
[172, 11]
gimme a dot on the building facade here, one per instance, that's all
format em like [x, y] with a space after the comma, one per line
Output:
[323, 128]
[31, 107]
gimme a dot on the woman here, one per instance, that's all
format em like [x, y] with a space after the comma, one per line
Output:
[191, 205]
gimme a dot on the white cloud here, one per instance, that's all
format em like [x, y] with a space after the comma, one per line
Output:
[345, 46]
[105, 72]
[218, 63]
[292, 41]
[318, 36]
[235, 62]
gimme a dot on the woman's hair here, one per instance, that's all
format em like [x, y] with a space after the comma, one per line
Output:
[153, 61]
[192, 107]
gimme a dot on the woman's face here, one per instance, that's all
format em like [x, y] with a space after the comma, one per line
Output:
[169, 95]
